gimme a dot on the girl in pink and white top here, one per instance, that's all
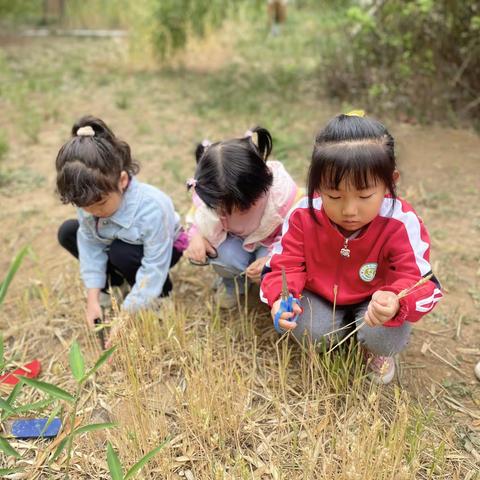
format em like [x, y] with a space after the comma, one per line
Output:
[240, 201]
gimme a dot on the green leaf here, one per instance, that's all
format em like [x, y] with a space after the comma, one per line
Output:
[9, 471]
[101, 360]
[93, 427]
[50, 419]
[2, 357]
[77, 364]
[52, 390]
[36, 406]
[144, 460]
[60, 448]
[14, 393]
[8, 449]
[114, 463]
[11, 400]
[15, 265]
[4, 405]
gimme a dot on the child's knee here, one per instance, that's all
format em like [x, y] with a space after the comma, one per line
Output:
[385, 341]
[67, 233]
[124, 256]
[231, 255]
[315, 324]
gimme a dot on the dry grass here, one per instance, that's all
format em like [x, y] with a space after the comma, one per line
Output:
[235, 401]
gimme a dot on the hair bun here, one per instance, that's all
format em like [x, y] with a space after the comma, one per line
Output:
[86, 131]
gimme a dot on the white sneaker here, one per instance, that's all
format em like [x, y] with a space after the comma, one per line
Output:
[477, 370]
[382, 369]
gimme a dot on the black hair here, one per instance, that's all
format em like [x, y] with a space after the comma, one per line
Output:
[89, 167]
[357, 149]
[233, 173]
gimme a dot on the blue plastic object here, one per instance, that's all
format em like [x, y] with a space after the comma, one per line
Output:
[286, 305]
[34, 428]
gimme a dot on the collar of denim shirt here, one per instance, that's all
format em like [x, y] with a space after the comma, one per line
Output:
[125, 215]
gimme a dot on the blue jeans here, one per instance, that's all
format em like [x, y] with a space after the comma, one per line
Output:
[232, 262]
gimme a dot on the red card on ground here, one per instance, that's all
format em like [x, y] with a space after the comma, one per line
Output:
[30, 370]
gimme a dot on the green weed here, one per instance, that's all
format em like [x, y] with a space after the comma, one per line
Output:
[20, 180]
[123, 100]
[11, 272]
[4, 146]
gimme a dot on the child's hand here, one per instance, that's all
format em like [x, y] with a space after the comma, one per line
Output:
[284, 321]
[94, 310]
[254, 270]
[382, 307]
[198, 248]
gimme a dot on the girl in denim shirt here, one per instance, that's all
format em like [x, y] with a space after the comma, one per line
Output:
[126, 230]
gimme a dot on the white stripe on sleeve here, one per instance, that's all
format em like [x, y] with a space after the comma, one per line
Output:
[413, 227]
[426, 304]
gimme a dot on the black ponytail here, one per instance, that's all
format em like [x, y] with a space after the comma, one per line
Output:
[233, 174]
[264, 142]
[200, 149]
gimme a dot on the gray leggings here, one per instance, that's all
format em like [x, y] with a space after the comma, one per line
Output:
[317, 321]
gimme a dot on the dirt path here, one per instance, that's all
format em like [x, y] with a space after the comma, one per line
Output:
[162, 115]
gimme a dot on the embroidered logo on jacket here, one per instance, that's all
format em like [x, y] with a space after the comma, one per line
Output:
[367, 271]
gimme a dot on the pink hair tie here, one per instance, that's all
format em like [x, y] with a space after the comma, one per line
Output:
[248, 134]
[191, 182]
[206, 143]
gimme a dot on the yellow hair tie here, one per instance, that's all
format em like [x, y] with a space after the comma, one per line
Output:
[356, 113]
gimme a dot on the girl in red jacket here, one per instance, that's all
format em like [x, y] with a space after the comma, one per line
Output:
[351, 246]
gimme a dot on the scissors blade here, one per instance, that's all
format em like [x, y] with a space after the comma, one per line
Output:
[285, 291]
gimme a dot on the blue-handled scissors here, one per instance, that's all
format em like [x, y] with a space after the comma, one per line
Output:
[286, 305]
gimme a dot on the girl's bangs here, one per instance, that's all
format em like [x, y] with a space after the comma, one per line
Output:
[361, 167]
[83, 186]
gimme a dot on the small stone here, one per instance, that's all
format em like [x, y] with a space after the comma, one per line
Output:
[477, 370]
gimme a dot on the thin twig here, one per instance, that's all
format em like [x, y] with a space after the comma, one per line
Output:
[335, 290]
[348, 325]
[426, 347]
[409, 290]
[347, 337]
[402, 294]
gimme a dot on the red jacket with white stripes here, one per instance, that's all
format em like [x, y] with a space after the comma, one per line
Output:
[391, 254]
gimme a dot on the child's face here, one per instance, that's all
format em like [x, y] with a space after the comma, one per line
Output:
[352, 209]
[106, 207]
[110, 202]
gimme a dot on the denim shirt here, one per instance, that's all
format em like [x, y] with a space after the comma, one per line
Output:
[147, 217]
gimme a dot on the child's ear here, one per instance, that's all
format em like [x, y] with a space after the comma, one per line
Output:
[124, 179]
[396, 177]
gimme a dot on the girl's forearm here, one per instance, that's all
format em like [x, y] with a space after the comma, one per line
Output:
[93, 295]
